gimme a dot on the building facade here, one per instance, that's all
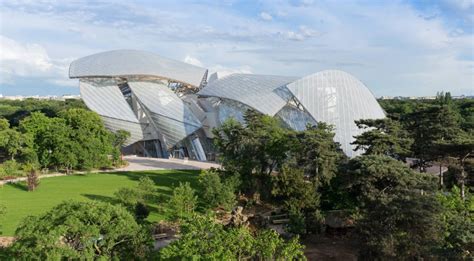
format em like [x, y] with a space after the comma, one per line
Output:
[171, 107]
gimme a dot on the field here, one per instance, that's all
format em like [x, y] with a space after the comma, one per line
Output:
[97, 186]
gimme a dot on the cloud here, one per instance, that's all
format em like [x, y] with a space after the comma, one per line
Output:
[29, 60]
[266, 16]
[395, 48]
[22, 59]
[192, 60]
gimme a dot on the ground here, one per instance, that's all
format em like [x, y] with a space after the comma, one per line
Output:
[52, 191]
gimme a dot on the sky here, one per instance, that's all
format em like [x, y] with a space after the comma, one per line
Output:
[397, 48]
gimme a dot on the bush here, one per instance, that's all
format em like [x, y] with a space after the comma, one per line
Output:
[204, 239]
[183, 201]
[11, 168]
[215, 192]
[129, 197]
[81, 230]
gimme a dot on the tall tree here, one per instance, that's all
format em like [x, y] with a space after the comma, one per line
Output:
[383, 137]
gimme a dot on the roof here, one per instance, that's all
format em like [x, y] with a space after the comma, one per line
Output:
[133, 62]
[337, 98]
[264, 93]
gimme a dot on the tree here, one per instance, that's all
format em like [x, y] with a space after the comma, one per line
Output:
[315, 151]
[460, 147]
[183, 201]
[458, 223]
[254, 150]
[400, 215]
[215, 191]
[203, 238]
[292, 189]
[428, 124]
[32, 179]
[383, 137]
[81, 230]
[406, 226]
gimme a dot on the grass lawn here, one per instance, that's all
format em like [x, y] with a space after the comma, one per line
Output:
[97, 186]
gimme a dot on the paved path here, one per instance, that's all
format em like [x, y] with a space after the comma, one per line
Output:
[141, 163]
[137, 164]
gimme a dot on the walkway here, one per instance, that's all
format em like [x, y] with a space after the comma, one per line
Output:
[141, 163]
[137, 164]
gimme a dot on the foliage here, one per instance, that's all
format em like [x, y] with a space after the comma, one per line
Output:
[406, 226]
[383, 137]
[15, 110]
[135, 199]
[216, 191]
[11, 168]
[315, 151]
[458, 220]
[183, 201]
[202, 238]
[373, 177]
[292, 189]
[78, 139]
[253, 150]
[79, 230]
[398, 208]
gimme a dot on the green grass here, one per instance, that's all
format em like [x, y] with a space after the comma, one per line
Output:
[97, 186]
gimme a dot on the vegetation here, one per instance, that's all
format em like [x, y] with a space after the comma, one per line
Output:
[400, 209]
[100, 187]
[217, 191]
[183, 201]
[55, 135]
[203, 238]
[78, 230]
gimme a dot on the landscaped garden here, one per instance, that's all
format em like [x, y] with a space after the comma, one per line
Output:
[96, 186]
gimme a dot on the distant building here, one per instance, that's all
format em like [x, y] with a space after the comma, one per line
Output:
[170, 107]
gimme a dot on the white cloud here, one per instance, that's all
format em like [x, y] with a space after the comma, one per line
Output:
[192, 60]
[22, 59]
[399, 50]
[266, 16]
[224, 70]
[29, 60]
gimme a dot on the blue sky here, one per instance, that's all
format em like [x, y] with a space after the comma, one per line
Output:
[395, 47]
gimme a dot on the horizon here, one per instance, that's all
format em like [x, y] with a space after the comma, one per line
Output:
[401, 48]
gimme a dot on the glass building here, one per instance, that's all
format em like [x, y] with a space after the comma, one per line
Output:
[170, 107]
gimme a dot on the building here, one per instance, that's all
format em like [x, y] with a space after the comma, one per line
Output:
[170, 107]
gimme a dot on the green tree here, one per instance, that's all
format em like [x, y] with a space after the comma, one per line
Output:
[183, 201]
[215, 191]
[400, 215]
[81, 230]
[383, 137]
[458, 219]
[254, 150]
[459, 147]
[428, 124]
[315, 151]
[204, 239]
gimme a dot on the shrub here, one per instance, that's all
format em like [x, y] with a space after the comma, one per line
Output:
[12, 168]
[81, 231]
[215, 192]
[183, 201]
